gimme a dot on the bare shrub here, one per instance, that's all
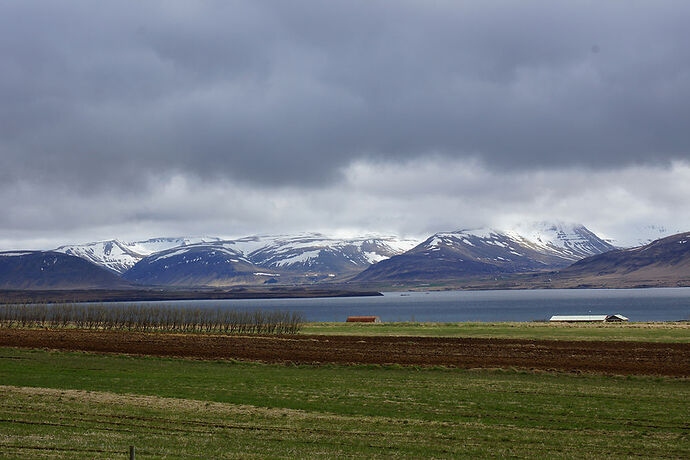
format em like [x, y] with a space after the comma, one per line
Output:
[154, 317]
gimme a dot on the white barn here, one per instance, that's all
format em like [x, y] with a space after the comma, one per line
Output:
[588, 318]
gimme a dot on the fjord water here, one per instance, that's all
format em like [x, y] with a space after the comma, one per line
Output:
[656, 304]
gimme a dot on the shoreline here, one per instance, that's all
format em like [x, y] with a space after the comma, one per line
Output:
[153, 295]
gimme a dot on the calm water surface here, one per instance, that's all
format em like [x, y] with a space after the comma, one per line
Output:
[658, 304]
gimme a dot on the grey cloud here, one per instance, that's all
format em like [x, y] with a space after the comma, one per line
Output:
[416, 198]
[107, 94]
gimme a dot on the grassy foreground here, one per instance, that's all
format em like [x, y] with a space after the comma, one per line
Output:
[79, 405]
[645, 332]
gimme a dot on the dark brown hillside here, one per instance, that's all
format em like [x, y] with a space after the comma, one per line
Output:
[668, 257]
[662, 263]
[53, 270]
[475, 253]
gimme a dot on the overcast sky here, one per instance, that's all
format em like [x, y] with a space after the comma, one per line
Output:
[134, 119]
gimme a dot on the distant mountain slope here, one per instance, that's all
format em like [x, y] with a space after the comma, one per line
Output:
[304, 253]
[119, 256]
[567, 241]
[154, 245]
[196, 265]
[488, 251]
[259, 259]
[53, 270]
[666, 259]
[113, 254]
[317, 253]
[640, 235]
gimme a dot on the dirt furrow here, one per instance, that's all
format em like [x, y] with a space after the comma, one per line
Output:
[627, 358]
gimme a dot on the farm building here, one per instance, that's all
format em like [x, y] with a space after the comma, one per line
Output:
[588, 318]
[363, 319]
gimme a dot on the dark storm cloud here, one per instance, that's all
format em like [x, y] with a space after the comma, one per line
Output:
[109, 93]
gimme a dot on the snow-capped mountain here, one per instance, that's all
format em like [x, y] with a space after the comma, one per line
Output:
[313, 256]
[194, 265]
[113, 254]
[568, 241]
[485, 251]
[314, 252]
[664, 262]
[154, 245]
[544, 243]
[119, 256]
[262, 258]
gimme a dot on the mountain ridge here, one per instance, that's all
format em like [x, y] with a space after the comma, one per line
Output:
[258, 259]
[119, 256]
[53, 270]
[667, 257]
[486, 251]
[541, 256]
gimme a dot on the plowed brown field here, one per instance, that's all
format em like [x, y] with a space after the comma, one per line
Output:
[628, 358]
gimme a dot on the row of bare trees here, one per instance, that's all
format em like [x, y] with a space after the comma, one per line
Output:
[151, 318]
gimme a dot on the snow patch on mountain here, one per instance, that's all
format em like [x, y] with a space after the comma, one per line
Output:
[305, 257]
[154, 245]
[114, 255]
[211, 249]
[119, 256]
[315, 251]
[564, 240]
[374, 257]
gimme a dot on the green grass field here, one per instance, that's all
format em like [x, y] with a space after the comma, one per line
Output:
[79, 405]
[646, 332]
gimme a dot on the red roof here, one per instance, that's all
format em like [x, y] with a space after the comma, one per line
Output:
[362, 319]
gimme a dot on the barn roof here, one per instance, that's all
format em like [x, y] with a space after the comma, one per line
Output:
[579, 318]
[616, 317]
[601, 318]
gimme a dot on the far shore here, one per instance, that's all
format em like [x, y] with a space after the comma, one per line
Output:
[167, 294]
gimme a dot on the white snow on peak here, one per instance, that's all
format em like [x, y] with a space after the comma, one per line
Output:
[154, 245]
[559, 234]
[264, 250]
[566, 240]
[640, 235]
[120, 256]
[317, 251]
[212, 248]
[112, 254]
[399, 245]
[568, 236]
[449, 238]
[302, 249]
[478, 232]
